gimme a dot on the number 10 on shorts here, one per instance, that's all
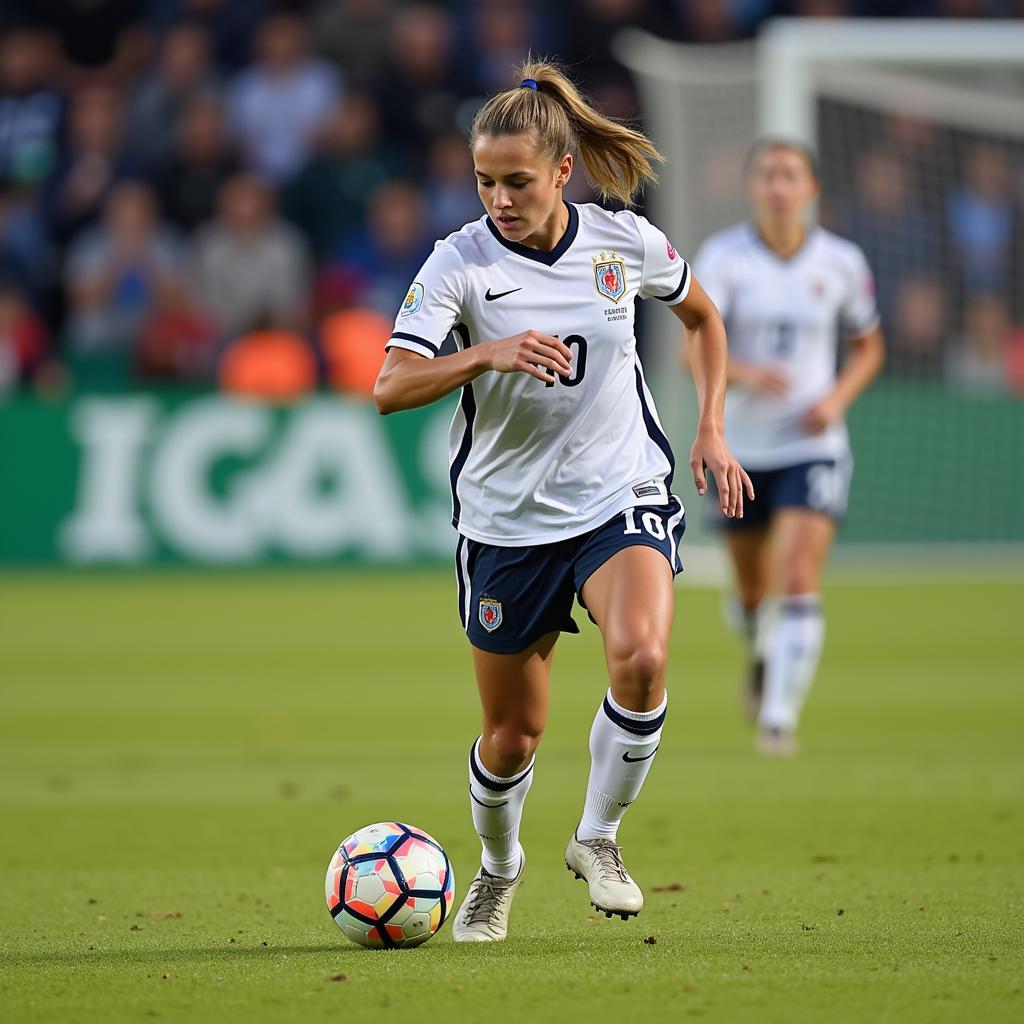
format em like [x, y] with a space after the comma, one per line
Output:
[651, 522]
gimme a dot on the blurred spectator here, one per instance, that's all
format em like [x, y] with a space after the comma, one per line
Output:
[92, 164]
[276, 107]
[421, 93]
[231, 24]
[983, 221]
[373, 266]
[709, 21]
[30, 108]
[978, 363]
[450, 193]
[118, 274]
[25, 255]
[95, 33]
[24, 338]
[354, 35]
[189, 181]
[327, 198]
[182, 74]
[592, 25]
[902, 246]
[502, 33]
[251, 268]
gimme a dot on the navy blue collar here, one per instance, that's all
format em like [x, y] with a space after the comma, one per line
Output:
[549, 259]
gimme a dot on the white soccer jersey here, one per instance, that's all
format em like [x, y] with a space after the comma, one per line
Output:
[534, 463]
[788, 313]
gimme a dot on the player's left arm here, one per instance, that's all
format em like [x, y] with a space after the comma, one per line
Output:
[858, 322]
[708, 357]
[865, 358]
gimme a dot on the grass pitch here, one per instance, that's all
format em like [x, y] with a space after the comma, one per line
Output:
[180, 754]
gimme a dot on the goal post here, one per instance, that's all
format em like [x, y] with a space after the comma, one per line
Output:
[796, 56]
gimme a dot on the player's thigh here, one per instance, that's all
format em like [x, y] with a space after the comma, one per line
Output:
[750, 551]
[514, 688]
[631, 597]
[801, 538]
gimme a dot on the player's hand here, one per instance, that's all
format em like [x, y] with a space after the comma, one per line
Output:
[710, 452]
[767, 380]
[540, 355]
[822, 415]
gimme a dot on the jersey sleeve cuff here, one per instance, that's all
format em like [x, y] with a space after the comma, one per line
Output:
[681, 289]
[860, 330]
[414, 343]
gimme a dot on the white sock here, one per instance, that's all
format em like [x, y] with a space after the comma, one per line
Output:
[792, 652]
[497, 805]
[622, 747]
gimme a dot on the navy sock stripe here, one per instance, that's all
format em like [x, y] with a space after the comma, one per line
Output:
[487, 783]
[637, 728]
[800, 609]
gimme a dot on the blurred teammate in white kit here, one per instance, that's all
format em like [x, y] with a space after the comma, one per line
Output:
[788, 291]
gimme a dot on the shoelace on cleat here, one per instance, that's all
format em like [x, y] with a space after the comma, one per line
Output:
[487, 899]
[609, 859]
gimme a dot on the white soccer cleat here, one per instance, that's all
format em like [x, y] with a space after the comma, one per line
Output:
[775, 742]
[483, 916]
[599, 863]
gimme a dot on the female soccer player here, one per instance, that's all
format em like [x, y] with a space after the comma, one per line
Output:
[787, 292]
[561, 474]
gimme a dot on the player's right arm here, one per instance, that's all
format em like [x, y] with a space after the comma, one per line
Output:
[414, 374]
[408, 380]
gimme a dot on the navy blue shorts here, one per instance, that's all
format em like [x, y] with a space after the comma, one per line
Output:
[822, 485]
[510, 597]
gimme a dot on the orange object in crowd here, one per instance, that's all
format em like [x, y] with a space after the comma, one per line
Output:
[274, 365]
[353, 344]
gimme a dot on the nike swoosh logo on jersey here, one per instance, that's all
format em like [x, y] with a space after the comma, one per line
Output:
[490, 298]
[631, 760]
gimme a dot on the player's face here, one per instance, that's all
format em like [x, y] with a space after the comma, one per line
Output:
[781, 186]
[520, 189]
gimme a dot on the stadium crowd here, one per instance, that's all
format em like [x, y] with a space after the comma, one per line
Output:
[239, 191]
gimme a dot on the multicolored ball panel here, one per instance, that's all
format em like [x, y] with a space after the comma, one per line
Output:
[377, 838]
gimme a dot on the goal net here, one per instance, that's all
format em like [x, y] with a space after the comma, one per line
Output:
[920, 131]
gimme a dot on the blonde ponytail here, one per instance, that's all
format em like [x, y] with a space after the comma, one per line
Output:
[618, 160]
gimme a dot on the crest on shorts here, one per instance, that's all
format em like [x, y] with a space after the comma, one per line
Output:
[413, 299]
[489, 613]
[610, 276]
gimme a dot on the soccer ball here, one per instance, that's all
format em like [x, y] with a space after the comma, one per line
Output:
[389, 886]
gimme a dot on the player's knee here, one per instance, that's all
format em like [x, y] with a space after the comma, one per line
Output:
[799, 577]
[511, 748]
[638, 671]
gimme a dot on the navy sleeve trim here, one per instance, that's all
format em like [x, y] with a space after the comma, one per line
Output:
[419, 341]
[683, 281]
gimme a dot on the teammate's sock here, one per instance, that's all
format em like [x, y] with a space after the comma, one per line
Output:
[622, 748]
[792, 653]
[497, 805]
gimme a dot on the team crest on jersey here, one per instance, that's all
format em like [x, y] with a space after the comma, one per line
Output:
[610, 276]
[489, 613]
[413, 300]
[670, 249]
